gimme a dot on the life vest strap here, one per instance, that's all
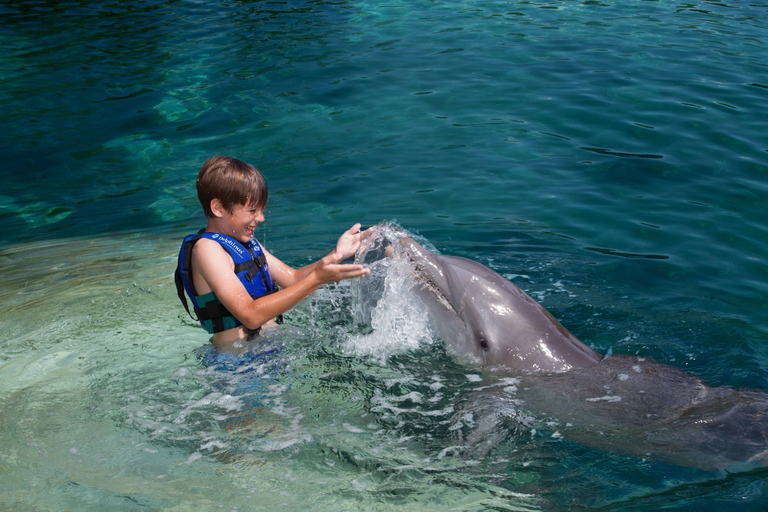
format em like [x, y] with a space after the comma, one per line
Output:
[186, 267]
[215, 312]
[253, 267]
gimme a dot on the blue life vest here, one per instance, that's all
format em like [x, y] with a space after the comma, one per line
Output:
[250, 267]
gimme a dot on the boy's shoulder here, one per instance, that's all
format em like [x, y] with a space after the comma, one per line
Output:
[216, 245]
[206, 247]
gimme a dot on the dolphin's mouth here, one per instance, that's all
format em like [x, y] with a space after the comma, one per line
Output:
[423, 277]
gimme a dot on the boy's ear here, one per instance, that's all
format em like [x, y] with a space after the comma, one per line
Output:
[217, 208]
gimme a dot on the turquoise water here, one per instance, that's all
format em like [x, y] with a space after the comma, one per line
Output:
[610, 159]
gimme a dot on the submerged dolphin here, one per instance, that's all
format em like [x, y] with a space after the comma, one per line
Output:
[629, 405]
[480, 313]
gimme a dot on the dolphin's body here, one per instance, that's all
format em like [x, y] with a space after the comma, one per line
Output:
[633, 406]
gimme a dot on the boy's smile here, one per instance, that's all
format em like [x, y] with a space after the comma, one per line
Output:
[243, 221]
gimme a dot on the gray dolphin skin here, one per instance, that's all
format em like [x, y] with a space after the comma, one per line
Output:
[629, 405]
[479, 313]
[644, 409]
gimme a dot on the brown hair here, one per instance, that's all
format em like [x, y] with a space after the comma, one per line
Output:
[232, 182]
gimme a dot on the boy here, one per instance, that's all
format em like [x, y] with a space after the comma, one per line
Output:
[230, 278]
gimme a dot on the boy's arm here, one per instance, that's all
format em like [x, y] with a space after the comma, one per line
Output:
[215, 267]
[346, 247]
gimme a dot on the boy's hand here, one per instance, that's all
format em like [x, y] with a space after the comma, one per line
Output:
[349, 242]
[329, 271]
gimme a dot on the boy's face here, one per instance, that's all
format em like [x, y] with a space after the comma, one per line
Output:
[243, 220]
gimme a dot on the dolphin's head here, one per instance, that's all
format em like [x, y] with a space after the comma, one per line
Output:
[482, 314]
[458, 321]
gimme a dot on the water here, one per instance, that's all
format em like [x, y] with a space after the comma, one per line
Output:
[608, 158]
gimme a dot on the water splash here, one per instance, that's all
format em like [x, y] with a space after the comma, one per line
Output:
[392, 318]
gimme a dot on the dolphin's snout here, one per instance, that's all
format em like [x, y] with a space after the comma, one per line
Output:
[410, 248]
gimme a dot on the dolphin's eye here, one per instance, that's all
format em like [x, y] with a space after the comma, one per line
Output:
[483, 343]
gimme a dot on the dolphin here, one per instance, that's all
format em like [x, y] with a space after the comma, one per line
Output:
[481, 314]
[629, 405]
